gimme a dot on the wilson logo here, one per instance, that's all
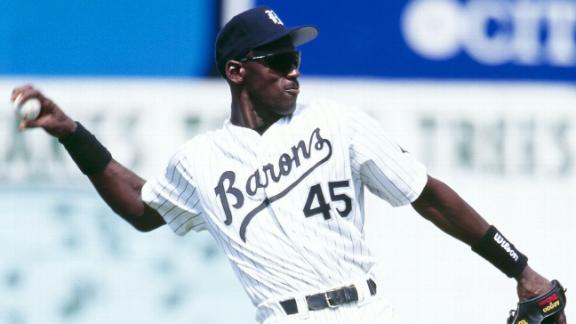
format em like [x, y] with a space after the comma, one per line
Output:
[551, 303]
[551, 307]
[506, 246]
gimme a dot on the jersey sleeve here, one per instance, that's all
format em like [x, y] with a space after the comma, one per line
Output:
[385, 168]
[175, 197]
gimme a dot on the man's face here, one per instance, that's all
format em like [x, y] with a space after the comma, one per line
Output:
[271, 80]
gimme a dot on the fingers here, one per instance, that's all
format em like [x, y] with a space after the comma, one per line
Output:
[561, 319]
[51, 118]
[29, 123]
[41, 121]
[17, 92]
[23, 93]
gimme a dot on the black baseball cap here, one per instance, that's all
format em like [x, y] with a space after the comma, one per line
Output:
[254, 28]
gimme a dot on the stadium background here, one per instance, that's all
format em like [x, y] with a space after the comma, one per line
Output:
[483, 91]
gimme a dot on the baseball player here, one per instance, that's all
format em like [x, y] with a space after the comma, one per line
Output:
[280, 187]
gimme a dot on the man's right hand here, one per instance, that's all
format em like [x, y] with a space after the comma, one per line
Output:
[52, 119]
[118, 186]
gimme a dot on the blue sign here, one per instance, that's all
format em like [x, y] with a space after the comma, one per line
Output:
[473, 39]
[435, 39]
[107, 37]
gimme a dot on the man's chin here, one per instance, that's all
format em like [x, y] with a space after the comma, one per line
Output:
[278, 109]
[286, 110]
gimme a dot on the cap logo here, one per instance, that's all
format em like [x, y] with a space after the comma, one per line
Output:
[274, 17]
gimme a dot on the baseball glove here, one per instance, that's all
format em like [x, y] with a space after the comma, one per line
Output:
[541, 309]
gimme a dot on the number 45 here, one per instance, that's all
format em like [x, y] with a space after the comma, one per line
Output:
[322, 207]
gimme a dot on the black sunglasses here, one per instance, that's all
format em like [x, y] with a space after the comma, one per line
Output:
[284, 62]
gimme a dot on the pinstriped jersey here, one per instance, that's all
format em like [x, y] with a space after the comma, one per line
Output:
[287, 206]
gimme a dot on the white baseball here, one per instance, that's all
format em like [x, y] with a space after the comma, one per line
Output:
[29, 109]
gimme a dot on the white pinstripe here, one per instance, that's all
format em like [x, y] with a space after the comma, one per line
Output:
[278, 252]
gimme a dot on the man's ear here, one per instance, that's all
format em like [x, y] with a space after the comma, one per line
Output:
[235, 71]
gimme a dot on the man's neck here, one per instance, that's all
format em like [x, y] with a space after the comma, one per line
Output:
[245, 114]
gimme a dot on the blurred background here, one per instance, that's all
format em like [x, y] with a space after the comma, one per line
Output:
[482, 91]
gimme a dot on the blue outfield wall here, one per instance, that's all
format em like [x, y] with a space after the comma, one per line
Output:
[433, 39]
[107, 37]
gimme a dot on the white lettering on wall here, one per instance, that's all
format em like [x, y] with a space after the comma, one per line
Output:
[493, 32]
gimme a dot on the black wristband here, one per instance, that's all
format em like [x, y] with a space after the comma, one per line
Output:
[496, 249]
[86, 151]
